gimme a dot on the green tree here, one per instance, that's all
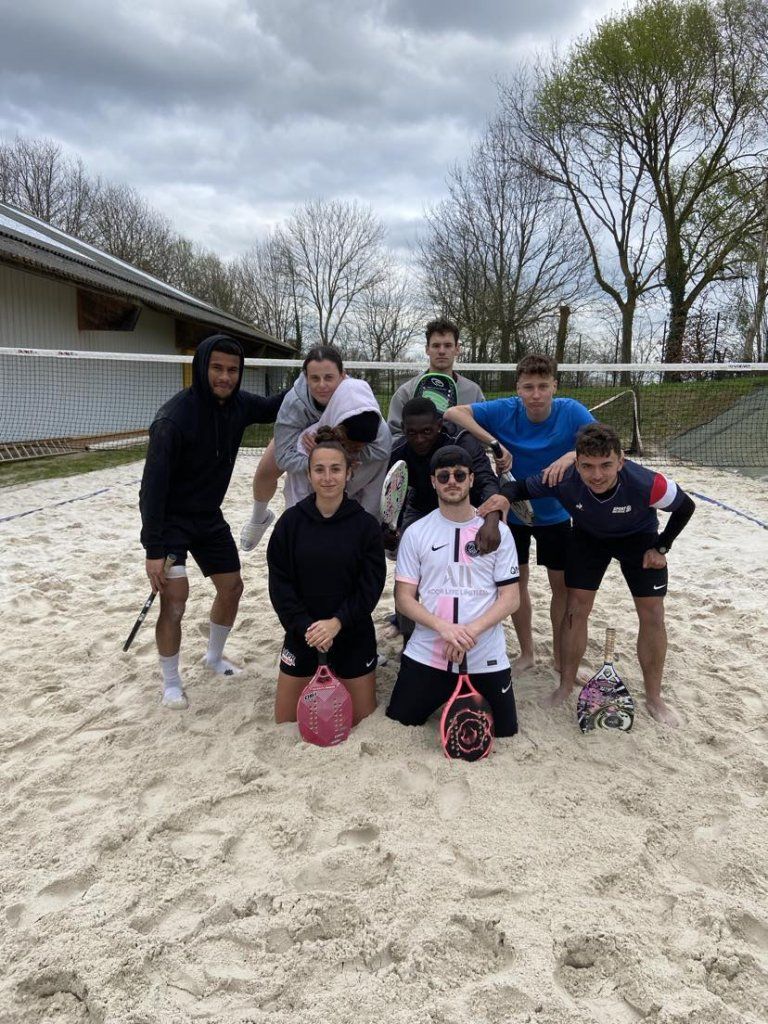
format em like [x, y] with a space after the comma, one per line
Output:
[671, 92]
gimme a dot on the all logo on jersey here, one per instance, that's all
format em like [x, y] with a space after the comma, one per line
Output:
[621, 508]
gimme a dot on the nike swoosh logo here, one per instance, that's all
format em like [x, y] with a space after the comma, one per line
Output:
[661, 587]
[507, 687]
[439, 546]
[369, 663]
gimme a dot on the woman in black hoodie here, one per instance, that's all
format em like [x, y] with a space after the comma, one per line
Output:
[326, 575]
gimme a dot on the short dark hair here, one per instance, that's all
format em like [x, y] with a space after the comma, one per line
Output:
[595, 439]
[321, 352]
[538, 365]
[228, 345]
[421, 407]
[450, 455]
[442, 326]
[326, 437]
[364, 426]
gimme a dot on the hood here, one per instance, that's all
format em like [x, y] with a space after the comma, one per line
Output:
[347, 509]
[201, 360]
[351, 397]
[301, 392]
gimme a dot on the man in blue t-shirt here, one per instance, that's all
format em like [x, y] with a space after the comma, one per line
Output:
[613, 503]
[537, 432]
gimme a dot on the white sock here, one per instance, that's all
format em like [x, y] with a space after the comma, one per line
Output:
[216, 640]
[170, 668]
[214, 656]
[259, 511]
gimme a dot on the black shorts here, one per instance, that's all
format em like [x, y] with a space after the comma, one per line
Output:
[352, 654]
[551, 544]
[208, 539]
[420, 690]
[590, 556]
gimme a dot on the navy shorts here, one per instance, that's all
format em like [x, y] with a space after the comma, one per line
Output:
[590, 556]
[421, 689]
[352, 654]
[207, 538]
[551, 544]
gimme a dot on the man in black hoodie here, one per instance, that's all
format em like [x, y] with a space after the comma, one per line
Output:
[193, 444]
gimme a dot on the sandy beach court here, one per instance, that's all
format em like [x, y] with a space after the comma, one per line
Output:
[160, 867]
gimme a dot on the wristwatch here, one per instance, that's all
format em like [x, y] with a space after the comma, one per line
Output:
[661, 548]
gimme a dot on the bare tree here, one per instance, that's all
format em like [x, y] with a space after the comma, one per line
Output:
[38, 178]
[504, 245]
[602, 178]
[333, 252]
[126, 226]
[386, 320]
[266, 290]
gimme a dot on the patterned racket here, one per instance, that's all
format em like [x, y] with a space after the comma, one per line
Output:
[439, 388]
[393, 494]
[466, 725]
[604, 702]
[522, 509]
[324, 711]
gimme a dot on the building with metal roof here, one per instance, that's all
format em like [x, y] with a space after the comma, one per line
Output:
[91, 346]
[86, 299]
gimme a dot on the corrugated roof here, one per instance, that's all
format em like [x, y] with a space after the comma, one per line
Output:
[32, 243]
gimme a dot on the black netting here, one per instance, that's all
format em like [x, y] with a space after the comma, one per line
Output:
[712, 417]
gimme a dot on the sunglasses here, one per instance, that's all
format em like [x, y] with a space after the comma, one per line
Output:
[444, 475]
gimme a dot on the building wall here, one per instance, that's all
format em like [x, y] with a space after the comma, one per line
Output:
[38, 312]
[47, 398]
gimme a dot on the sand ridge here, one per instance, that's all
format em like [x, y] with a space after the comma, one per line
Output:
[209, 866]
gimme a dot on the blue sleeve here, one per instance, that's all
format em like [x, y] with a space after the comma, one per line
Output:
[486, 414]
[580, 415]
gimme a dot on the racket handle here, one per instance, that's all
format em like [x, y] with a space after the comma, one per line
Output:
[322, 657]
[610, 643]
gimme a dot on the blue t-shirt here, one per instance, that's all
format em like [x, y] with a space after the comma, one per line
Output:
[534, 445]
[628, 509]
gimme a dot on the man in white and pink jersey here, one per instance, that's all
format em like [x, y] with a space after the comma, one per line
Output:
[458, 599]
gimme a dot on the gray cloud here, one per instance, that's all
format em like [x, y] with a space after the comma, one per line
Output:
[227, 113]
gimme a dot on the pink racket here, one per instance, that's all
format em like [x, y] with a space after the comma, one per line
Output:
[466, 725]
[324, 711]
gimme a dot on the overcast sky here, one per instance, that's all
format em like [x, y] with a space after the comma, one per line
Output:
[226, 114]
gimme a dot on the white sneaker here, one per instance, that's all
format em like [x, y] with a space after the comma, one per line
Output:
[175, 699]
[251, 533]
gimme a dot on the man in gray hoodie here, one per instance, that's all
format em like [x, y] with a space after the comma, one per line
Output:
[442, 350]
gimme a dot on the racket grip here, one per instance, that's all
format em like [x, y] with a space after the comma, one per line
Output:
[169, 561]
[610, 643]
[322, 657]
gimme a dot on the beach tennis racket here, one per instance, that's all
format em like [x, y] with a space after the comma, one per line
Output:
[147, 605]
[324, 711]
[522, 509]
[466, 724]
[393, 494]
[605, 702]
[439, 388]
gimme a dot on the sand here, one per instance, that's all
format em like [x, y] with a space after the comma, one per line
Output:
[209, 866]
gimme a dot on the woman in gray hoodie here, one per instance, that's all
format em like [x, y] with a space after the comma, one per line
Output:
[305, 407]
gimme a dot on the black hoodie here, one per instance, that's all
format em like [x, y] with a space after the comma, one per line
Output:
[320, 568]
[193, 444]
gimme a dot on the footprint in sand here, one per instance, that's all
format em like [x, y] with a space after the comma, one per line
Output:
[360, 836]
[715, 829]
[59, 894]
[156, 799]
[452, 797]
